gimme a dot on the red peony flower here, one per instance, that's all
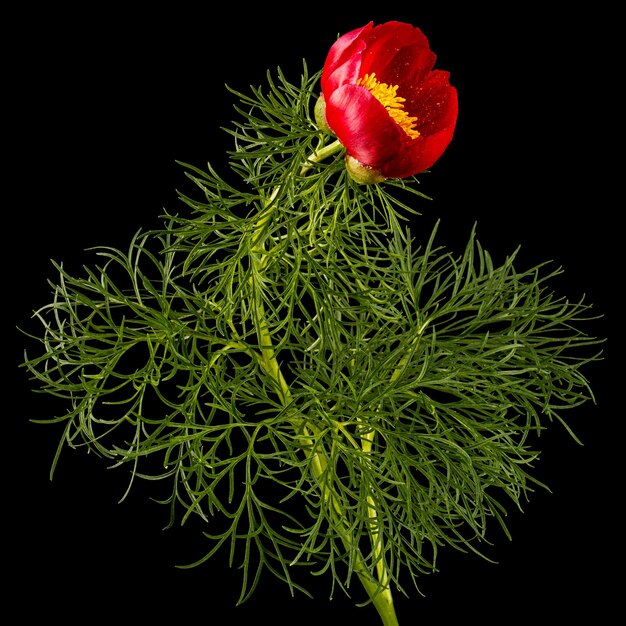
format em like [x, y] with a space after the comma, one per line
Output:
[392, 112]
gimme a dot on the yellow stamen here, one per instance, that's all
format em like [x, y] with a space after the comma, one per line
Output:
[387, 96]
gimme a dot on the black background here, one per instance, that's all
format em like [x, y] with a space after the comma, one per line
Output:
[101, 104]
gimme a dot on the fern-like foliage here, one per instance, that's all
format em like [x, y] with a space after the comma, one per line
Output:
[325, 392]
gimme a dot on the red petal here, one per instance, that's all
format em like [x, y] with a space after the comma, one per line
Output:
[434, 102]
[410, 66]
[363, 125]
[386, 42]
[340, 52]
[346, 73]
[419, 154]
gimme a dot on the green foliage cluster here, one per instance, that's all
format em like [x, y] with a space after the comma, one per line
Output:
[323, 391]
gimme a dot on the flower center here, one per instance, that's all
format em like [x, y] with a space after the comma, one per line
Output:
[387, 96]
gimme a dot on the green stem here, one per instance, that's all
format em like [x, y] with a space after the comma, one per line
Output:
[322, 153]
[378, 590]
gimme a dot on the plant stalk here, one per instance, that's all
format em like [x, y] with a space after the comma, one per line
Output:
[378, 588]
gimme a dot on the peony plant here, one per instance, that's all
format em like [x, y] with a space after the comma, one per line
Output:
[327, 394]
